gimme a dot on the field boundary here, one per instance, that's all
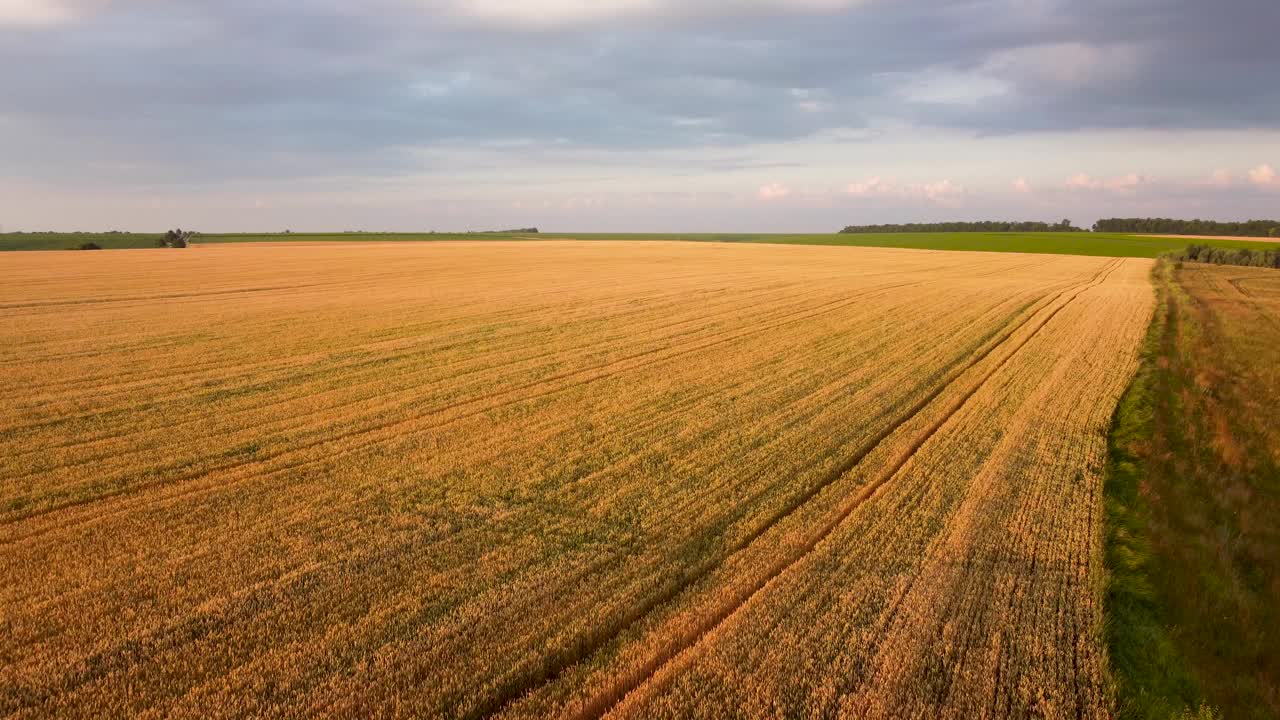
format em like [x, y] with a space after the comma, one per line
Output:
[1146, 670]
[1191, 497]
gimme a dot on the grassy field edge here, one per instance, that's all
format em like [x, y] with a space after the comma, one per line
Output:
[1151, 678]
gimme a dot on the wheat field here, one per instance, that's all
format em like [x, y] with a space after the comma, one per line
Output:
[557, 479]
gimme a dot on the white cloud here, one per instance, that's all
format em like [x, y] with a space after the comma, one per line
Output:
[1122, 183]
[1083, 181]
[560, 13]
[942, 86]
[553, 12]
[1264, 175]
[693, 122]
[1126, 182]
[873, 186]
[943, 192]
[810, 100]
[1021, 185]
[1221, 178]
[34, 13]
[1056, 66]
[774, 191]
[1065, 65]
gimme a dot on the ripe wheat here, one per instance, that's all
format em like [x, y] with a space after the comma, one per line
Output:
[451, 480]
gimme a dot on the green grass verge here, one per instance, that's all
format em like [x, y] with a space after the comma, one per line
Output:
[1095, 244]
[1151, 677]
[1192, 492]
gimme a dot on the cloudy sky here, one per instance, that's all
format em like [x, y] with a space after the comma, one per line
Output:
[645, 115]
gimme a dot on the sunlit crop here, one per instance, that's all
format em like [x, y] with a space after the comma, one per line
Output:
[556, 479]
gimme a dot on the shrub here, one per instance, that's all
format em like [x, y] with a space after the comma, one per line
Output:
[176, 238]
[1231, 256]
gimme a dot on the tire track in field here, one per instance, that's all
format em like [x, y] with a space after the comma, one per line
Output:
[606, 700]
[966, 554]
[371, 379]
[290, 423]
[1250, 299]
[234, 610]
[410, 344]
[574, 378]
[191, 375]
[198, 370]
[943, 369]
[1238, 284]
[147, 379]
[305, 368]
[163, 296]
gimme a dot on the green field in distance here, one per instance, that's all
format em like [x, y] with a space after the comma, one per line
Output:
[1082, 243]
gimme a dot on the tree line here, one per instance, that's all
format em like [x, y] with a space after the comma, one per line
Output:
[1231, 256]
[1170, 226]
[979, 226]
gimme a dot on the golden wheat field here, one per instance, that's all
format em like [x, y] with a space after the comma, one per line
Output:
[557, 479]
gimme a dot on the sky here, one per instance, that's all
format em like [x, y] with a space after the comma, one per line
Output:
[632, 115]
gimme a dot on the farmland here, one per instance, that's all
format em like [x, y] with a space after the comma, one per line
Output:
[563, 478]
[1083, 243]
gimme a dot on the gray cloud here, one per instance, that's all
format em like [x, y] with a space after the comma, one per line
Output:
[191, 91]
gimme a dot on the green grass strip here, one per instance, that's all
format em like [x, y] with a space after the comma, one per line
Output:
[1152, 680]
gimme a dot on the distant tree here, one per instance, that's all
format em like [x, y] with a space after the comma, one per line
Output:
[979, 226]
[1170, 226]
[176, 238]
